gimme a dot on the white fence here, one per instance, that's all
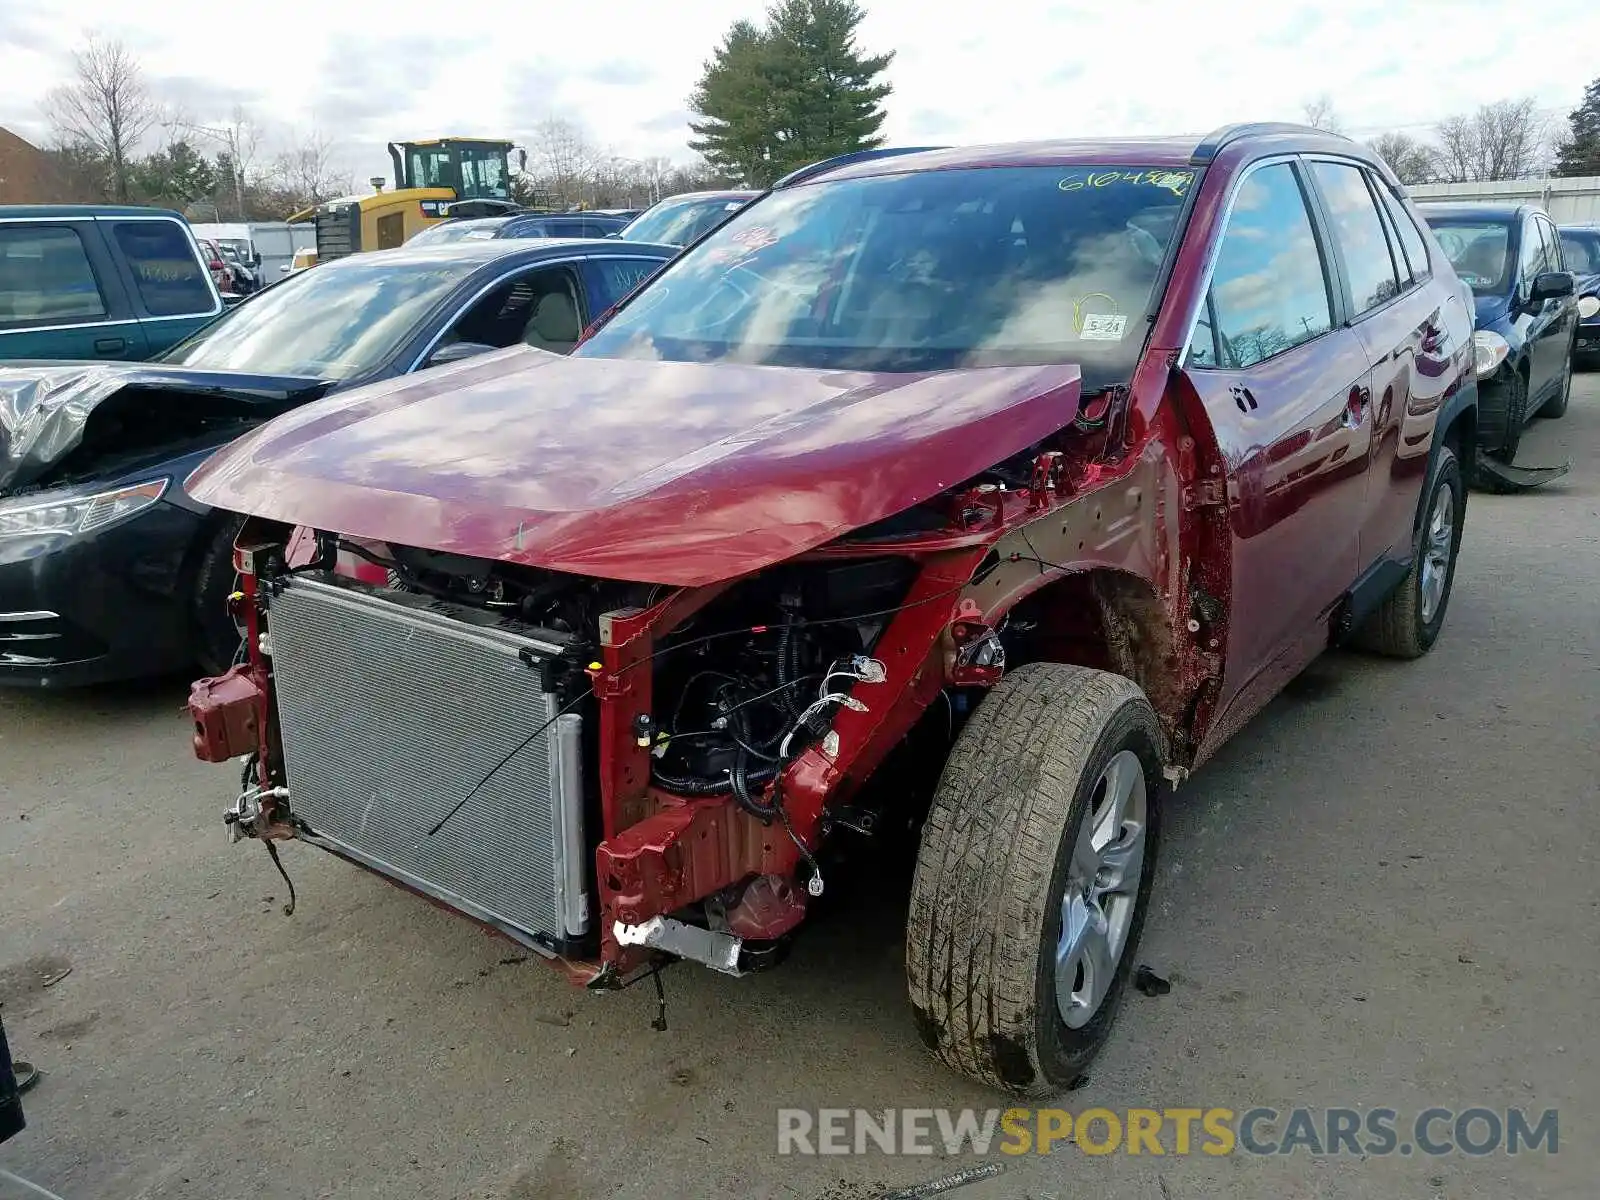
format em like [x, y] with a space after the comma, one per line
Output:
[1569, 201]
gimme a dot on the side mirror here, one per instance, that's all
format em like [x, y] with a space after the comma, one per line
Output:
[456, 351]
[1552, 285]
[255, 258]
[285, 268]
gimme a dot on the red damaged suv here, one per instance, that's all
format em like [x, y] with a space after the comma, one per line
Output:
[1046, 464]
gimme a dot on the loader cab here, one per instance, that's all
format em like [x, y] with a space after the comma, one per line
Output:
[476, 172]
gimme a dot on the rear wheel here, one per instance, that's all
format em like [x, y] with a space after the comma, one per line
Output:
[1408, 622]
[1034, 876]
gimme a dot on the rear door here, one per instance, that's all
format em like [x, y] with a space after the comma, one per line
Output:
[61, 295]
[1280, 375]
[1408, 339]
[160, 265]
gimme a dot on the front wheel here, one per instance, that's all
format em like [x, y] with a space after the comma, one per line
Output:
[1514, 400]
[1034, 876]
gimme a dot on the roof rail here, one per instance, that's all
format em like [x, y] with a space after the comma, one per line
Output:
[844, 160]
[1211, 145]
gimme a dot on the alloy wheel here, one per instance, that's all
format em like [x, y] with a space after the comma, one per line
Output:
[1102, 891]
[1440, 545]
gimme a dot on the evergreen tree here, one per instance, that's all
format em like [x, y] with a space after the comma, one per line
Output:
[776, 98]
[1579, 152]
[176, 176]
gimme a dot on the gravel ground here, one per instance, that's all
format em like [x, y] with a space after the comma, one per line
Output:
[1382, 893]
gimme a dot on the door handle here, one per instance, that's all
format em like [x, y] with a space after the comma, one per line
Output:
[111, 345]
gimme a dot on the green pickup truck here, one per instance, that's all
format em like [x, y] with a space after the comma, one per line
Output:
[98, 281]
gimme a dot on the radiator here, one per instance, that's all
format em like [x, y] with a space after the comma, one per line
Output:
[394, 706]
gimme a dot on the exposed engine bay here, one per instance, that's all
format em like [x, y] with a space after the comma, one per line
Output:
[740, 687]
[537, 749]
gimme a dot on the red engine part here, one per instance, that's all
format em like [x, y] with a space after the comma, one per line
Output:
[769, 908]
[225, 710]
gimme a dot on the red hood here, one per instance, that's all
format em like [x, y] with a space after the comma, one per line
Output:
[678, 473]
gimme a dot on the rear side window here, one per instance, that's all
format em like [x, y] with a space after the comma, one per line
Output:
[619, 276]
[1411, 243]
[1269, 291]
[45, 276]
[1360, 235]
[169, 278]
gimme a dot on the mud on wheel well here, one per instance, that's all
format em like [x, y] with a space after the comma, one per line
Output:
[1107, 620]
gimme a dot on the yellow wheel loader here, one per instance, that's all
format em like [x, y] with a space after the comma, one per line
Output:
[460, 177]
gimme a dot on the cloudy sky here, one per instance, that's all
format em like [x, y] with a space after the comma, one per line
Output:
[365, 73]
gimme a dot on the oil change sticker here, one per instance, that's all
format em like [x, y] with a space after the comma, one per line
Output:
[1103, 327]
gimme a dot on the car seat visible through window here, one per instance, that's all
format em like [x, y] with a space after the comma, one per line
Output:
[555, 325]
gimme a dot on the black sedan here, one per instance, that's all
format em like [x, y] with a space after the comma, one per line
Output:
[1511, 258]
[108, 569]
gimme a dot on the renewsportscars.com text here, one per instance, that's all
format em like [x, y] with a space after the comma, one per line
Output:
[1360, 1132]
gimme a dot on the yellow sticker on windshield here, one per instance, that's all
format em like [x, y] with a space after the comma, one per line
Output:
[1176, 182]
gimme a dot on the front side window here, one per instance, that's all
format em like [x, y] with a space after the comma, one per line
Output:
[1552, 245]
[339, 321]
[45, 276]
[1359, 232]
[1479, 250]
[169, 278]
[922, 271]
[537, 307]
[1269, 290]
[1533, 259]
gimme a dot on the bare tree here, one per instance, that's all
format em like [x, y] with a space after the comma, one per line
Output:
[1512, 138]
[563, 161]
[1504, 140]
[1319, 114]
[308, 171]
[1411, 159]
[106, 109]
[1458, 149]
